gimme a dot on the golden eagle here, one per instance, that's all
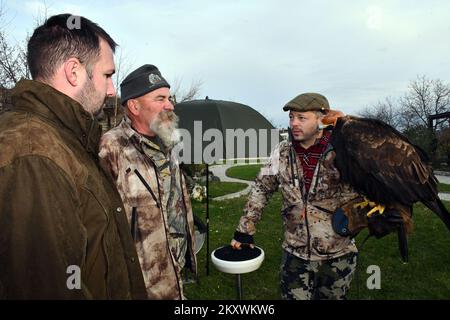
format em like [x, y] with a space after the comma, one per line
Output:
[383, 165]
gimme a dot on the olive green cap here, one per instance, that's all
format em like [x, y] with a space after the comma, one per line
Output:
[308, 102]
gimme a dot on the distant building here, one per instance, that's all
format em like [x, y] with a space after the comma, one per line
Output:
[112, 113]
[284, 134]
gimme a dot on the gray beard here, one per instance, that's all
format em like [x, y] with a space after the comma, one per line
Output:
[165, 126]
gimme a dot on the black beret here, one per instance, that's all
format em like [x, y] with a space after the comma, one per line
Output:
[140, 82]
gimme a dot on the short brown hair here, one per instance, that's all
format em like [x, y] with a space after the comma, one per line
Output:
[56, 41]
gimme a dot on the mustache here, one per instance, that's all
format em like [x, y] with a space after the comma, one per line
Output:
[168, 116]
[165, 125]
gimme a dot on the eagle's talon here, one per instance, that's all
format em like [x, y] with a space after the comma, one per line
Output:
[364, 204]
[380, 208]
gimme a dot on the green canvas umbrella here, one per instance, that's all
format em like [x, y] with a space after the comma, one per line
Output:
[207, 121]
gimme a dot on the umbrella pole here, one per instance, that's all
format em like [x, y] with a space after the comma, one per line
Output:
[207, 220]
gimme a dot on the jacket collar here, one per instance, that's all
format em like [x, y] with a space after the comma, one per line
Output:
[48, 103]
[139, 140]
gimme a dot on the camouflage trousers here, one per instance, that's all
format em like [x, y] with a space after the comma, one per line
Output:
[313, 280]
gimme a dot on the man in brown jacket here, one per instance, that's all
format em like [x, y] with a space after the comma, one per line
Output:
[63, 230]
[139, 154]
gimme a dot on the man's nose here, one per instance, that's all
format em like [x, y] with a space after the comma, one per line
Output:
[169, 106]
[294, 121]
[110, 91]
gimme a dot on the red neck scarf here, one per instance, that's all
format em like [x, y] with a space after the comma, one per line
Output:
[310, 157]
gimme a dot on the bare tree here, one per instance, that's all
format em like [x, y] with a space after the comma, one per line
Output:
[13, 63]
[410, 114]
[425, 97]
[123, 67]
[2, 13]
[191, 94]
[13, 57]
[385, 111]
[41, 15]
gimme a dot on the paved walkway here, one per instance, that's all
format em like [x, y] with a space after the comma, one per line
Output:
[219, 171]
[446, 180]
[443, 179]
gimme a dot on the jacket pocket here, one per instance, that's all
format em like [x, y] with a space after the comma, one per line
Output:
[148, 219]
[138, 190]
[294, 224]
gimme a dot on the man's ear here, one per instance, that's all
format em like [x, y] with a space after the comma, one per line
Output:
[72, 71]
[133, 107]
[319, 123]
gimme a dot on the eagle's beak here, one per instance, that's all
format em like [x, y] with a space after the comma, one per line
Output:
[331, 117]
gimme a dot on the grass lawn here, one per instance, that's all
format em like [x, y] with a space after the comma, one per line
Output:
[426, 276]
[442, 187]
[217, 189]
[224, 216]
[245, 172]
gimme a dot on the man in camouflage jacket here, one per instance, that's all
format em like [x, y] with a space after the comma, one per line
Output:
[140, 158]
[317, 262]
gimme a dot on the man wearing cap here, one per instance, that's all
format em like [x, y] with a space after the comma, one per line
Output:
[317, 262]
[139, 156]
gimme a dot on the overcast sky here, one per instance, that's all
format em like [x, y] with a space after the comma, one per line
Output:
[264, 52]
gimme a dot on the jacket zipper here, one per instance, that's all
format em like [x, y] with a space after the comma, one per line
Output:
[160, 205]
[188, 233]
[306, 211]
[304, 198]
[166, 226]
[308, 235]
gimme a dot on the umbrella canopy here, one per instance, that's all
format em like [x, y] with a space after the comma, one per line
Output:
[215, 129]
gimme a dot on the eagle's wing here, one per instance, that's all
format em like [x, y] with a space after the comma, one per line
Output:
[381, 163]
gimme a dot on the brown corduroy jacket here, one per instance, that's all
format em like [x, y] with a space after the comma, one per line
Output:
[60, 213]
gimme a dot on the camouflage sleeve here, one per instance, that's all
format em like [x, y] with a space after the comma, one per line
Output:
[347, 194]
[266, 183]
[109, 155]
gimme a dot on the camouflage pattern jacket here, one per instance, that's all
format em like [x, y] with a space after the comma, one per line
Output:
[308, 233]
[58, 208]
[164, 213]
